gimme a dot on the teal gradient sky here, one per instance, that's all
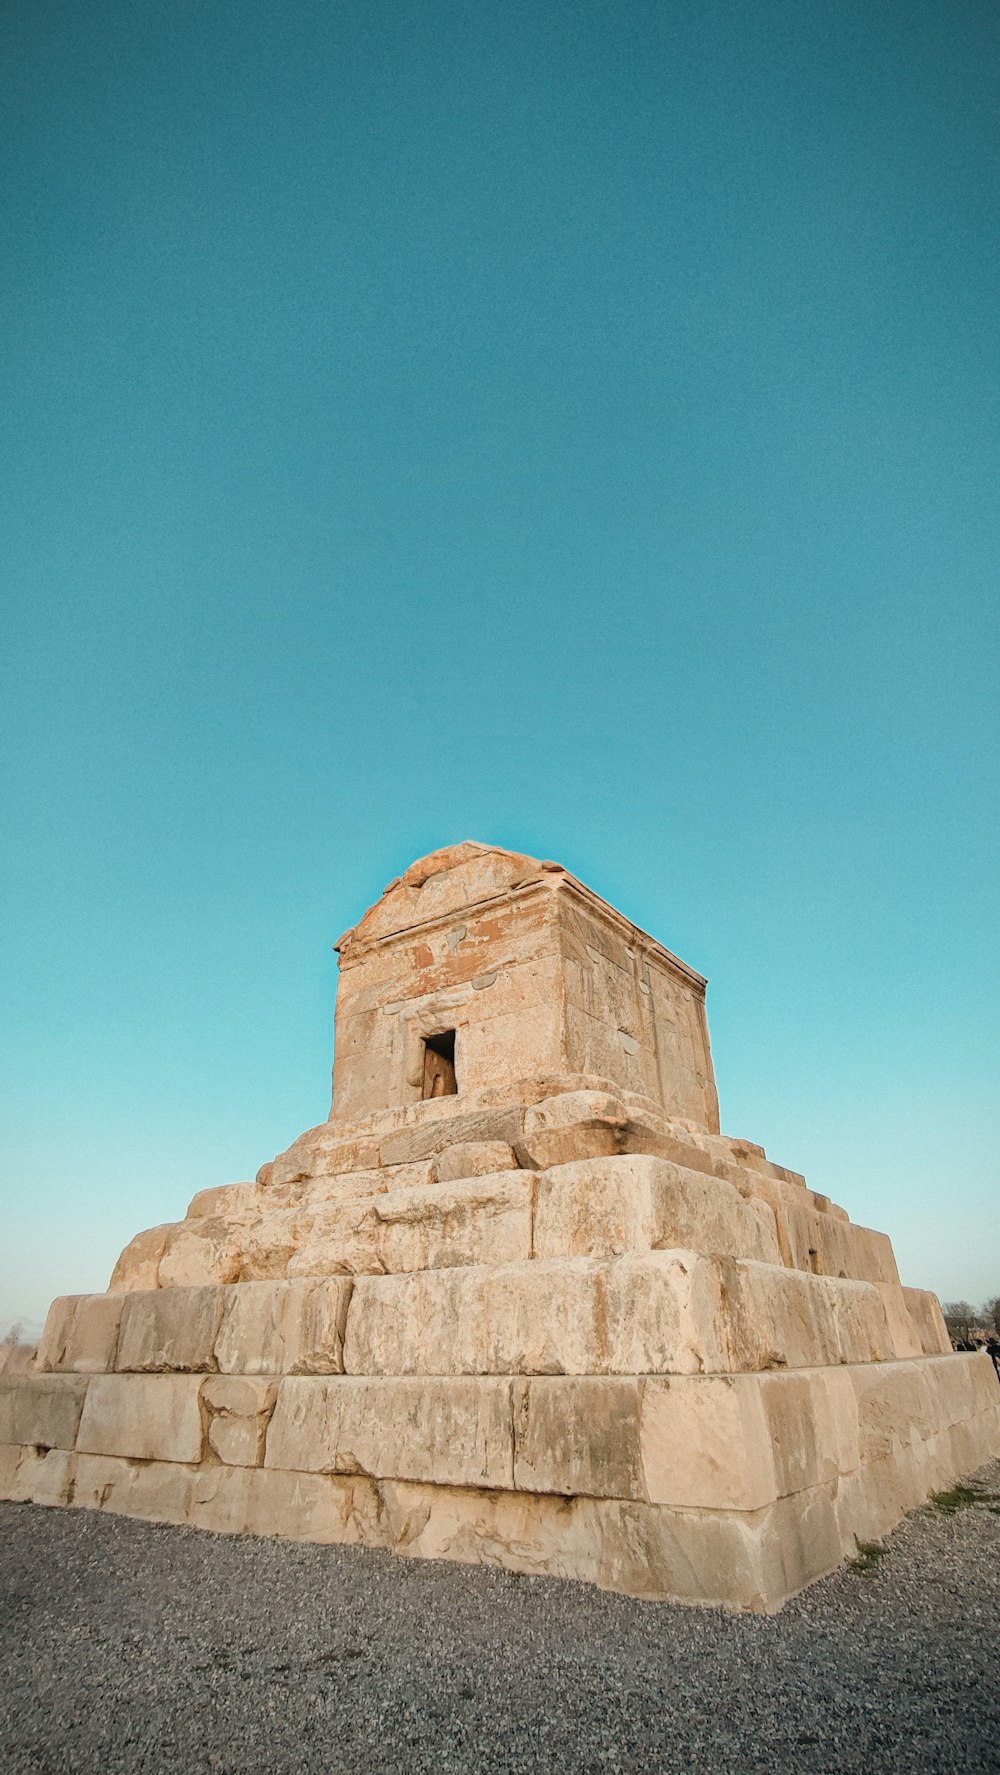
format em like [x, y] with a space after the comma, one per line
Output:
[572, 426]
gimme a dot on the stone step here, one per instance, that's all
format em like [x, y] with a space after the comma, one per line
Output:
[427, 1217]
[738, 1490]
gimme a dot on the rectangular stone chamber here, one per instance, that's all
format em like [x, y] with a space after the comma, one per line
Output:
[518, 1301]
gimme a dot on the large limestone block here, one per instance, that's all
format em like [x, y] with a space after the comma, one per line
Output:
[660, 1312]
[238, 1408]
[170, 1330]
[338, 1238]
[524, 1532]
[139, 1263]
[800, 1541]
[483, 1219]
[779, 1318]
[42, 1476]
[142, 1417]
[473, 1158]
[326, 1151]
[81, 1334]
[738, 1442]
[579, 1435]
[440, 1128]
[153, 1490]
[906, 1341]
[315, 1507]
[705, 1443]
[573, 1125]
[294, 1506]
[443, 1429]
[634, 1202]
[199, 1252]
[830, 1246]
[896, 1404]
[292, 1327]
[684, 1556]
[928, 1321]
[43, 1409]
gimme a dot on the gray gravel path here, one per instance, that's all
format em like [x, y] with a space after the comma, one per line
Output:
[127, 1646]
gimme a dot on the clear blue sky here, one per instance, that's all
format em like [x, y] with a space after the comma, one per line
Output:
[572, 426]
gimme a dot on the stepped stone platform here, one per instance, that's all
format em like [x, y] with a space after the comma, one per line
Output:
[519, 1301]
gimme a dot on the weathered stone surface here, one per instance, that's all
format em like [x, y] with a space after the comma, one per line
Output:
[199, 1252]
[154, 1489]
[483, 1219]
[89, 1340]
[42, 1476]
[633, 1315]
[144, 1417]
[571, 1126]
[238, 1408]
[139, 1263]
[928, 1321]
[294, 1506]
[579, 1435]
[424, 1141]
[452, 1431]
[473, 1158]
[43, 1409]
[704, 1443]
[170, 1331]
[633, 1202]
[783, 1319]
[292, 1327]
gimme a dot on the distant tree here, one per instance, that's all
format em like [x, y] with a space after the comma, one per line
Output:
[961, 1318]
[15, 1334]
[990, 1315]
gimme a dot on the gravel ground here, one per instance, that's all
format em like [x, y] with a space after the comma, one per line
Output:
[128, 1646]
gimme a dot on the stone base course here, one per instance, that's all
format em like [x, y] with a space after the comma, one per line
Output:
[735, 1489]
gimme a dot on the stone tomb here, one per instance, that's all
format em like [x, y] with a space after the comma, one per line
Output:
[518, 1301]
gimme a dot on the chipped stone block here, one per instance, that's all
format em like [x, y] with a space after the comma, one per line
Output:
[779, 1318]
[92, 1345]
[482, 1219]
[472, 1158]
[44, 1476]
[170, 1331]
[315, 1321]
[142, 1417]
[239, 1410]
[525, 1532]
[43, 1409]
[452, 1430]
[153, 1490]
[903, 1333]
[294, 1327]
[573, 1125]
[928, 1321]
[424, 1140]
[632, 1202]
[683, 1556]
[139, 1263]
[200, 1252]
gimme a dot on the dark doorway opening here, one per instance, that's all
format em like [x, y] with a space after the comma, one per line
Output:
[439, 1065]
